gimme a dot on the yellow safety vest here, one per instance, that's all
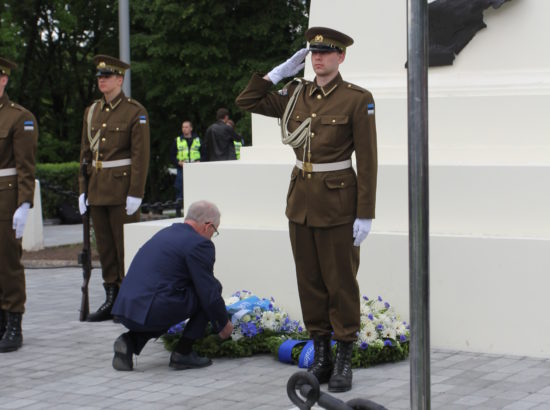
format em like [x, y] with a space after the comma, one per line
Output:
[238, 146]
[184, 152]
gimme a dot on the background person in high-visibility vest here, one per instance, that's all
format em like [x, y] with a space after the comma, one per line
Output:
[237, 142]
[185, 148]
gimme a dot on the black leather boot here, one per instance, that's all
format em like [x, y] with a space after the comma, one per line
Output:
[322, 364]
[3, 323]
[340, 381]
[13, 336]
[104, 311]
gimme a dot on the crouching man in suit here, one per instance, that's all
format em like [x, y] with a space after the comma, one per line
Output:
[171, 279]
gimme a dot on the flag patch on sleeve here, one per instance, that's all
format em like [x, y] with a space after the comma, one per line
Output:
[142, 119]
[370, 108]
[28, 125]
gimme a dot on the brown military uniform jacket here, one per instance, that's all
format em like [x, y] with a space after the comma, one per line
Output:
[342, 122]
[18, 140]
[124, 133]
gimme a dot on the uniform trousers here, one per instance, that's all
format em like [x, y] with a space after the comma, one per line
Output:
[326, 268]
[12, 275]
[108, 222]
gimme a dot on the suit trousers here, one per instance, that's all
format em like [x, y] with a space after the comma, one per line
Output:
[108, 223]
[326, 268]
[12, 275]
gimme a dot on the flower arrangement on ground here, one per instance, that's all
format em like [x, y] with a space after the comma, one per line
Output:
[262, 327]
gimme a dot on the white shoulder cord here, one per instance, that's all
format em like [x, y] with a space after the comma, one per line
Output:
[301, 136]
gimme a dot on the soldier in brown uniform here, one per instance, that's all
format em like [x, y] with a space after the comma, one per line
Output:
[329, 207]
[18, 139]
[115, 145]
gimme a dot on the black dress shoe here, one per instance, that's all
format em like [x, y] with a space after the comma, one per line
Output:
[123, 359]
[192, 360]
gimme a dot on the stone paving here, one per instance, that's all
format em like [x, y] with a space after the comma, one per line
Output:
[66, 364]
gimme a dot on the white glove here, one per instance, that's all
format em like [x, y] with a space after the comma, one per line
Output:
[132, 204]
[361, 228]
[290, 67]
[20, 219]
[82, 203]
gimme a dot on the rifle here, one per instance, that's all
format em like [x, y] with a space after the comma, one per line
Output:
[85, 257]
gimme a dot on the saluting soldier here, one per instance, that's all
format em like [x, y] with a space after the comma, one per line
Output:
[115, 145]
[330, 208]
[18, 140]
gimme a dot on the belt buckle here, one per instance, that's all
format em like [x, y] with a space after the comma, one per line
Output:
[307, 167]
[99, 164]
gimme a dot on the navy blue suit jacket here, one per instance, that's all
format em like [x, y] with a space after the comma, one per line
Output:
[170, 279]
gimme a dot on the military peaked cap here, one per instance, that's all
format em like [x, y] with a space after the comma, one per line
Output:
[6, 66]
[323, 39]
[107, 65]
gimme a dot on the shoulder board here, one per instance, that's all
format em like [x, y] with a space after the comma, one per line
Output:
[355, 87]
[135, 102]
[17, 106]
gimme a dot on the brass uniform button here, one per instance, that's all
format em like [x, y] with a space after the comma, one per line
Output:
[313, 115]
[9, 184]
[107, 109]
[333, 121]
[102, 139]
[103, 125]
[319, 96]
[101, 155]
[312, 134]
[117, 128]
[342, 184]
[297, 117]
[308, 176]
[124, 173]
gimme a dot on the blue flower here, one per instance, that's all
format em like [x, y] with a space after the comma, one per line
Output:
[387, 343]
[364, 346]
[371, 316]
[387, 305]
[380, 299]
[380, 327]
[365, 298]
[402, 338]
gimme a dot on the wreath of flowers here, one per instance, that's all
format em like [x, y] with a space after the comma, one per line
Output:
[261, 327]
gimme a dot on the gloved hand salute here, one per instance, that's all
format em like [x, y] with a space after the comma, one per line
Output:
[290, 67]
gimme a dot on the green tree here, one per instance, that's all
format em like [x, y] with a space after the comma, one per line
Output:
[188, 59]
[191, 58]
[54, 42]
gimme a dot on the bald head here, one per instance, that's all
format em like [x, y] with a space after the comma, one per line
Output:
[203, 212]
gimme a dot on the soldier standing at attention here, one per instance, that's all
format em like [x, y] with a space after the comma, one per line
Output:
[329, 207]
[18, 139]
[115, 145]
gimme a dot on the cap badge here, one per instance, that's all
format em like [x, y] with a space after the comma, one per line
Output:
[101, 64]
[319, 38]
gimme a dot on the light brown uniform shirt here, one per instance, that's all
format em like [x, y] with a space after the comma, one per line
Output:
[343, 121]
[18, 140]
[124, 134]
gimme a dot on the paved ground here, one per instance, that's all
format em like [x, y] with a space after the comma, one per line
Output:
[66, 364]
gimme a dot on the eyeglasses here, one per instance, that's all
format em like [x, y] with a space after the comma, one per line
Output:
[216, 233]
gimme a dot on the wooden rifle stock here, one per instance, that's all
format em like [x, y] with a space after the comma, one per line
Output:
[85, 257]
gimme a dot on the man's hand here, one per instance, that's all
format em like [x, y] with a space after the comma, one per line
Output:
[290, 67]
[180, 163]
[226, 331]
[82, 202]
[132, 204]
[20, 219]
[361, 228]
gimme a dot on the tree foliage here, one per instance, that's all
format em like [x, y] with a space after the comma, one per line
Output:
[188, 59]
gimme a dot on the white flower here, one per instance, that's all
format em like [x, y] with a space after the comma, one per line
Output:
[388, 333]
[400, 328]
[377, 306]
